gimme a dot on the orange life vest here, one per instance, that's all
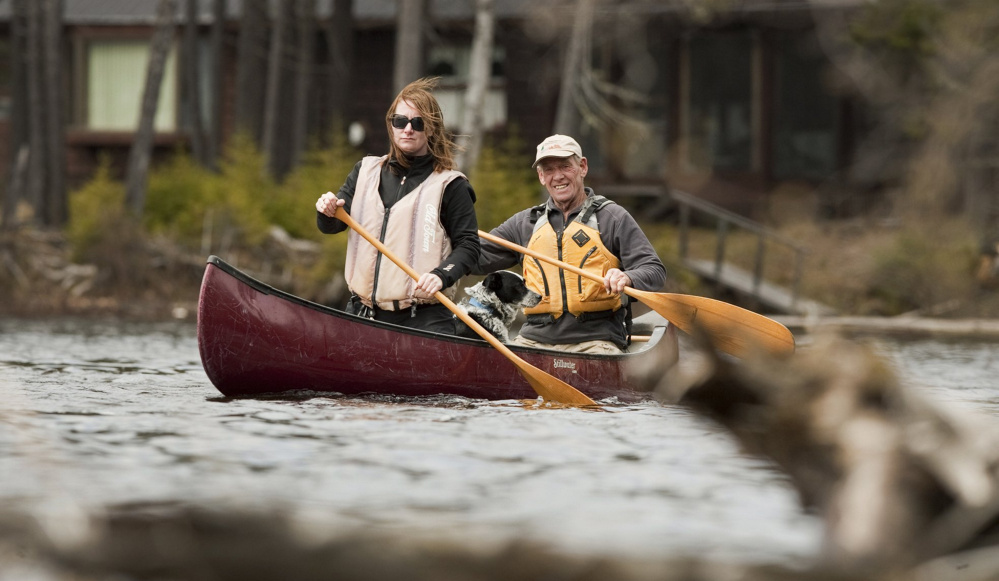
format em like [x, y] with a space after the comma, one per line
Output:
[578, 244]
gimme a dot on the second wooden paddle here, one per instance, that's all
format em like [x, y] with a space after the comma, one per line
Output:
[733, 329]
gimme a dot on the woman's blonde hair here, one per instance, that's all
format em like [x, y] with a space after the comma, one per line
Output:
[419, 95]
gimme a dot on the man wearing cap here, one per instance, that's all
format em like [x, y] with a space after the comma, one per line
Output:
[582, 228]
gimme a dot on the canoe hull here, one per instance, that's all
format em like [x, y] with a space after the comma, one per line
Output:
[255, 339]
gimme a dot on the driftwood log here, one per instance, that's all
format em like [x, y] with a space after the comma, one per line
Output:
[897, 478]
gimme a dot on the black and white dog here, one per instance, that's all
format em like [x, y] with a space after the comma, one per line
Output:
[494, 302]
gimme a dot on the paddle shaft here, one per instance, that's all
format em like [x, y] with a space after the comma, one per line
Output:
[563, 265]
[547, 386]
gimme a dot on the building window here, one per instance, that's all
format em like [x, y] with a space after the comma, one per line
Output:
[450, 62]
[719, 127]
[806, 113]
[115, 80]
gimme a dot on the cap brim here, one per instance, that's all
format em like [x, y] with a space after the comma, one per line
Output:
[547, 155]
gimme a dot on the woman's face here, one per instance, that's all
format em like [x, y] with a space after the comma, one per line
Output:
[408, 140]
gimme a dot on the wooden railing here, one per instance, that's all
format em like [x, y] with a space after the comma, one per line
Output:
[725, 220]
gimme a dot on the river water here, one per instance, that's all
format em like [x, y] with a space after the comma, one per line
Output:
[97, 415]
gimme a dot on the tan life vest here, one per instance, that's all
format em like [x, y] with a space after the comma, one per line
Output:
[579, 245]
[411, 229]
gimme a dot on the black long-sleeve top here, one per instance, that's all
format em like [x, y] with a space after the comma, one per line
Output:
[457, 213]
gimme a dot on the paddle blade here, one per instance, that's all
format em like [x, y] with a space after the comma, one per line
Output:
[732, 329]
[552, 388]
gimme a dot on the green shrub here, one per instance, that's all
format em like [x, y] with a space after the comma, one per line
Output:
[179, 196]
[96, 211]
[191, 205]
[246, 189]
[102, 232]
[293, 205]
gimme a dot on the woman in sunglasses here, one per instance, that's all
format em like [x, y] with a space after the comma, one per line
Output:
[422, 209]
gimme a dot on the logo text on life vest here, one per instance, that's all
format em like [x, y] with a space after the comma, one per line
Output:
[429, 226]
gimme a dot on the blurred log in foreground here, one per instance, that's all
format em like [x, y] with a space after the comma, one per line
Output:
[190, 543]
[898, 479]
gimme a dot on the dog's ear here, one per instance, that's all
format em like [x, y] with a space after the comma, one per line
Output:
[493, 281]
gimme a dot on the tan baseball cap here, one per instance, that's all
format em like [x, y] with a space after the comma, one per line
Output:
[557, 146]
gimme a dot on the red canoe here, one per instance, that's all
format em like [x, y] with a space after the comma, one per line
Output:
[256, 339]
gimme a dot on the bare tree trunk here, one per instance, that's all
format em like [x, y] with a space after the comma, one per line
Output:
[566, 116]
[18, 144]
[35, 182]
[214, 140]
[272, 102]
[251, 68]
[142, 148]
[410, 19]
[56, 206]
[192, 84]
[479, 72]
[305, 18]
[340, 39]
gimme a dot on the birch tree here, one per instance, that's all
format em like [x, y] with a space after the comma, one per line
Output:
[566, 115]
[410, 20]
[340, 41]
[142, 147]
[251, 68]
[305, 17]
[192, 84]
[479, 72]
[34, 182]
[213, 142]
[18, 148]
[56, 207]
[272, 99]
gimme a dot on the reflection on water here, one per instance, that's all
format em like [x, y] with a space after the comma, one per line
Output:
[103, 415]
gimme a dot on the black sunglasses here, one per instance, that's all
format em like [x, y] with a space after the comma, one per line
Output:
[401, 121]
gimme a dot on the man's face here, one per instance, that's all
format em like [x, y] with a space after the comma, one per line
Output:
[408, 140]
[563, 178]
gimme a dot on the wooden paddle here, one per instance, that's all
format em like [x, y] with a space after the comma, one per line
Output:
[549, 387]
[733, 329]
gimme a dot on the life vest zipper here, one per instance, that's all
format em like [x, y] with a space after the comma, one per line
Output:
[378, 259]
[544, 279]
[561, 275]
[381, 238]
[582, 264]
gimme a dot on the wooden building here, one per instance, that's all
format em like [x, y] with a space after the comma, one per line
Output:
[724, 105]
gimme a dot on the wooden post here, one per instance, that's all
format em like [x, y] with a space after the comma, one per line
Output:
[761, 245]
[684, 228]
[720, 251]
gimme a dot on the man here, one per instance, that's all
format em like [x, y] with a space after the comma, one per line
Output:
[419, 206]
[586, 230]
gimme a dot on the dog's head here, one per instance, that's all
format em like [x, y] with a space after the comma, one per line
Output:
[509, 288]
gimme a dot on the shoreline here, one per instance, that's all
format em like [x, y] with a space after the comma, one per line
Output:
[965, 327]
[969, 328]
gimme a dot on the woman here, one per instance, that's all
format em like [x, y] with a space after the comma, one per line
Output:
[420, 207]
